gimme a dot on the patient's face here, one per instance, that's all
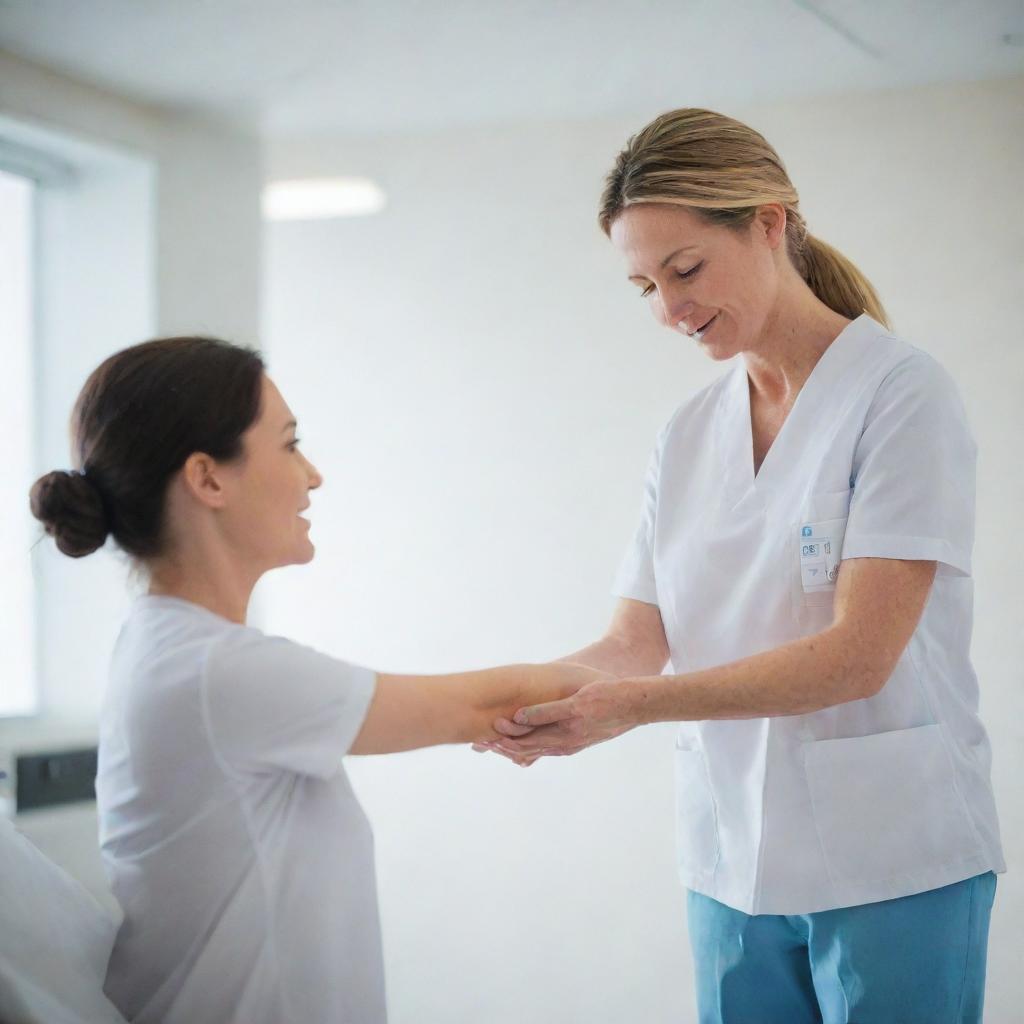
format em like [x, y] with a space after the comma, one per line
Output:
[269, 488]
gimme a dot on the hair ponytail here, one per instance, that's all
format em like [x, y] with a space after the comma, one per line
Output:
[838, 282]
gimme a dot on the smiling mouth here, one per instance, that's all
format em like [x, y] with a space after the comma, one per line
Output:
[698, 335]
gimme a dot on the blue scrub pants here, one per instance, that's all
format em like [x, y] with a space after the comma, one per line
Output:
[915, 960]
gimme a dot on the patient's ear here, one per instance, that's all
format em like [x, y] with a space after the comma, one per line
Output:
[203, 478]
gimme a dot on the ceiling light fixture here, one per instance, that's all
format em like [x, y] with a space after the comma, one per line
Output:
[322, 198]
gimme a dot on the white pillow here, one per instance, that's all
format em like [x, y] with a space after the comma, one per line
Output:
[55, 941]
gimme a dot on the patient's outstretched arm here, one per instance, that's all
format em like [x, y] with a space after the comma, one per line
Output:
[422, 711]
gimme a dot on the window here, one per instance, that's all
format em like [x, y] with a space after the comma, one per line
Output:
[18, 691]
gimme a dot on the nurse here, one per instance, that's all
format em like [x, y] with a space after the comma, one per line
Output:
[803, 560]
[229, 831]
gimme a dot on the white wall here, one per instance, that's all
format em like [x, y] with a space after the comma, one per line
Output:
[481, 388]
[157, 233]
[17, 614]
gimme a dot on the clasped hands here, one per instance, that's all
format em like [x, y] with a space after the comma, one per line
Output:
[598, 710]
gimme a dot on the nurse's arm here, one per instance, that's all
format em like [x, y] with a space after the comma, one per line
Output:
[877, 605]
[634, 643]
[409, 711]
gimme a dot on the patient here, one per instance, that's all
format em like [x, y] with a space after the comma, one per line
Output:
[230, 834]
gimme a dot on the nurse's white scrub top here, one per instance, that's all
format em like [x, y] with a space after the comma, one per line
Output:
[868, 800]
[229, 831]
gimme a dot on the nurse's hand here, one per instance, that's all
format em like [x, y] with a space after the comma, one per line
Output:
[597, 712]
[507, 728]
[544, 685]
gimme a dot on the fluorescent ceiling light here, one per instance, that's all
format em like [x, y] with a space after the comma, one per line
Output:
[321, 198]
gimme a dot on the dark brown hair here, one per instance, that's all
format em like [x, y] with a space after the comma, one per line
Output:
[140, 415]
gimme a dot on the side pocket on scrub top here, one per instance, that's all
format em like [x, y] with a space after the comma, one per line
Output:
[887, 806]
[696, 814]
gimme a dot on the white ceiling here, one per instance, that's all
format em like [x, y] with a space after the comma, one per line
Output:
[300, 67]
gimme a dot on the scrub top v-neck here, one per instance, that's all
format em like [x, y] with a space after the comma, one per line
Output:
[865, 801]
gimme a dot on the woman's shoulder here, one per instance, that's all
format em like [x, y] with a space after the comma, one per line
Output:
[163, 648]
[917, 377]
[158, 626]
[904, 363]
[914, 397]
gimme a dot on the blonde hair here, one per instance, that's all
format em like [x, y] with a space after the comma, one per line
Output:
[725, 170]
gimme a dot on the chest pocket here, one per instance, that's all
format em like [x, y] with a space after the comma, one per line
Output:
[819, 547]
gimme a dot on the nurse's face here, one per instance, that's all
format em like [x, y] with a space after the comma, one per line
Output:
[269, 488]
[714, 284]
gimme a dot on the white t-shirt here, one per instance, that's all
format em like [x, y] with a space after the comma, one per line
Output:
[865, 801]
[229, 830]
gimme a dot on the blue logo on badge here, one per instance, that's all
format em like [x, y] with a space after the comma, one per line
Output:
[806, 531]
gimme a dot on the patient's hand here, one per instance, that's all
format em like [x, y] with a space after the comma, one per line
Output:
[549, 684]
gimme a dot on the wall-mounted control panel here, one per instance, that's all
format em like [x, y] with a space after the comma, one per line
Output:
[51, 778]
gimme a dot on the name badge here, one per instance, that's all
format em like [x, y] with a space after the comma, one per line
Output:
[821, 548]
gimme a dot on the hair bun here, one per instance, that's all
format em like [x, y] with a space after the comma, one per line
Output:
[70, 508]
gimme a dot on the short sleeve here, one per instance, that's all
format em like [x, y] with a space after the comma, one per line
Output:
[635, 578]
[913, 473]
[271, 703]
